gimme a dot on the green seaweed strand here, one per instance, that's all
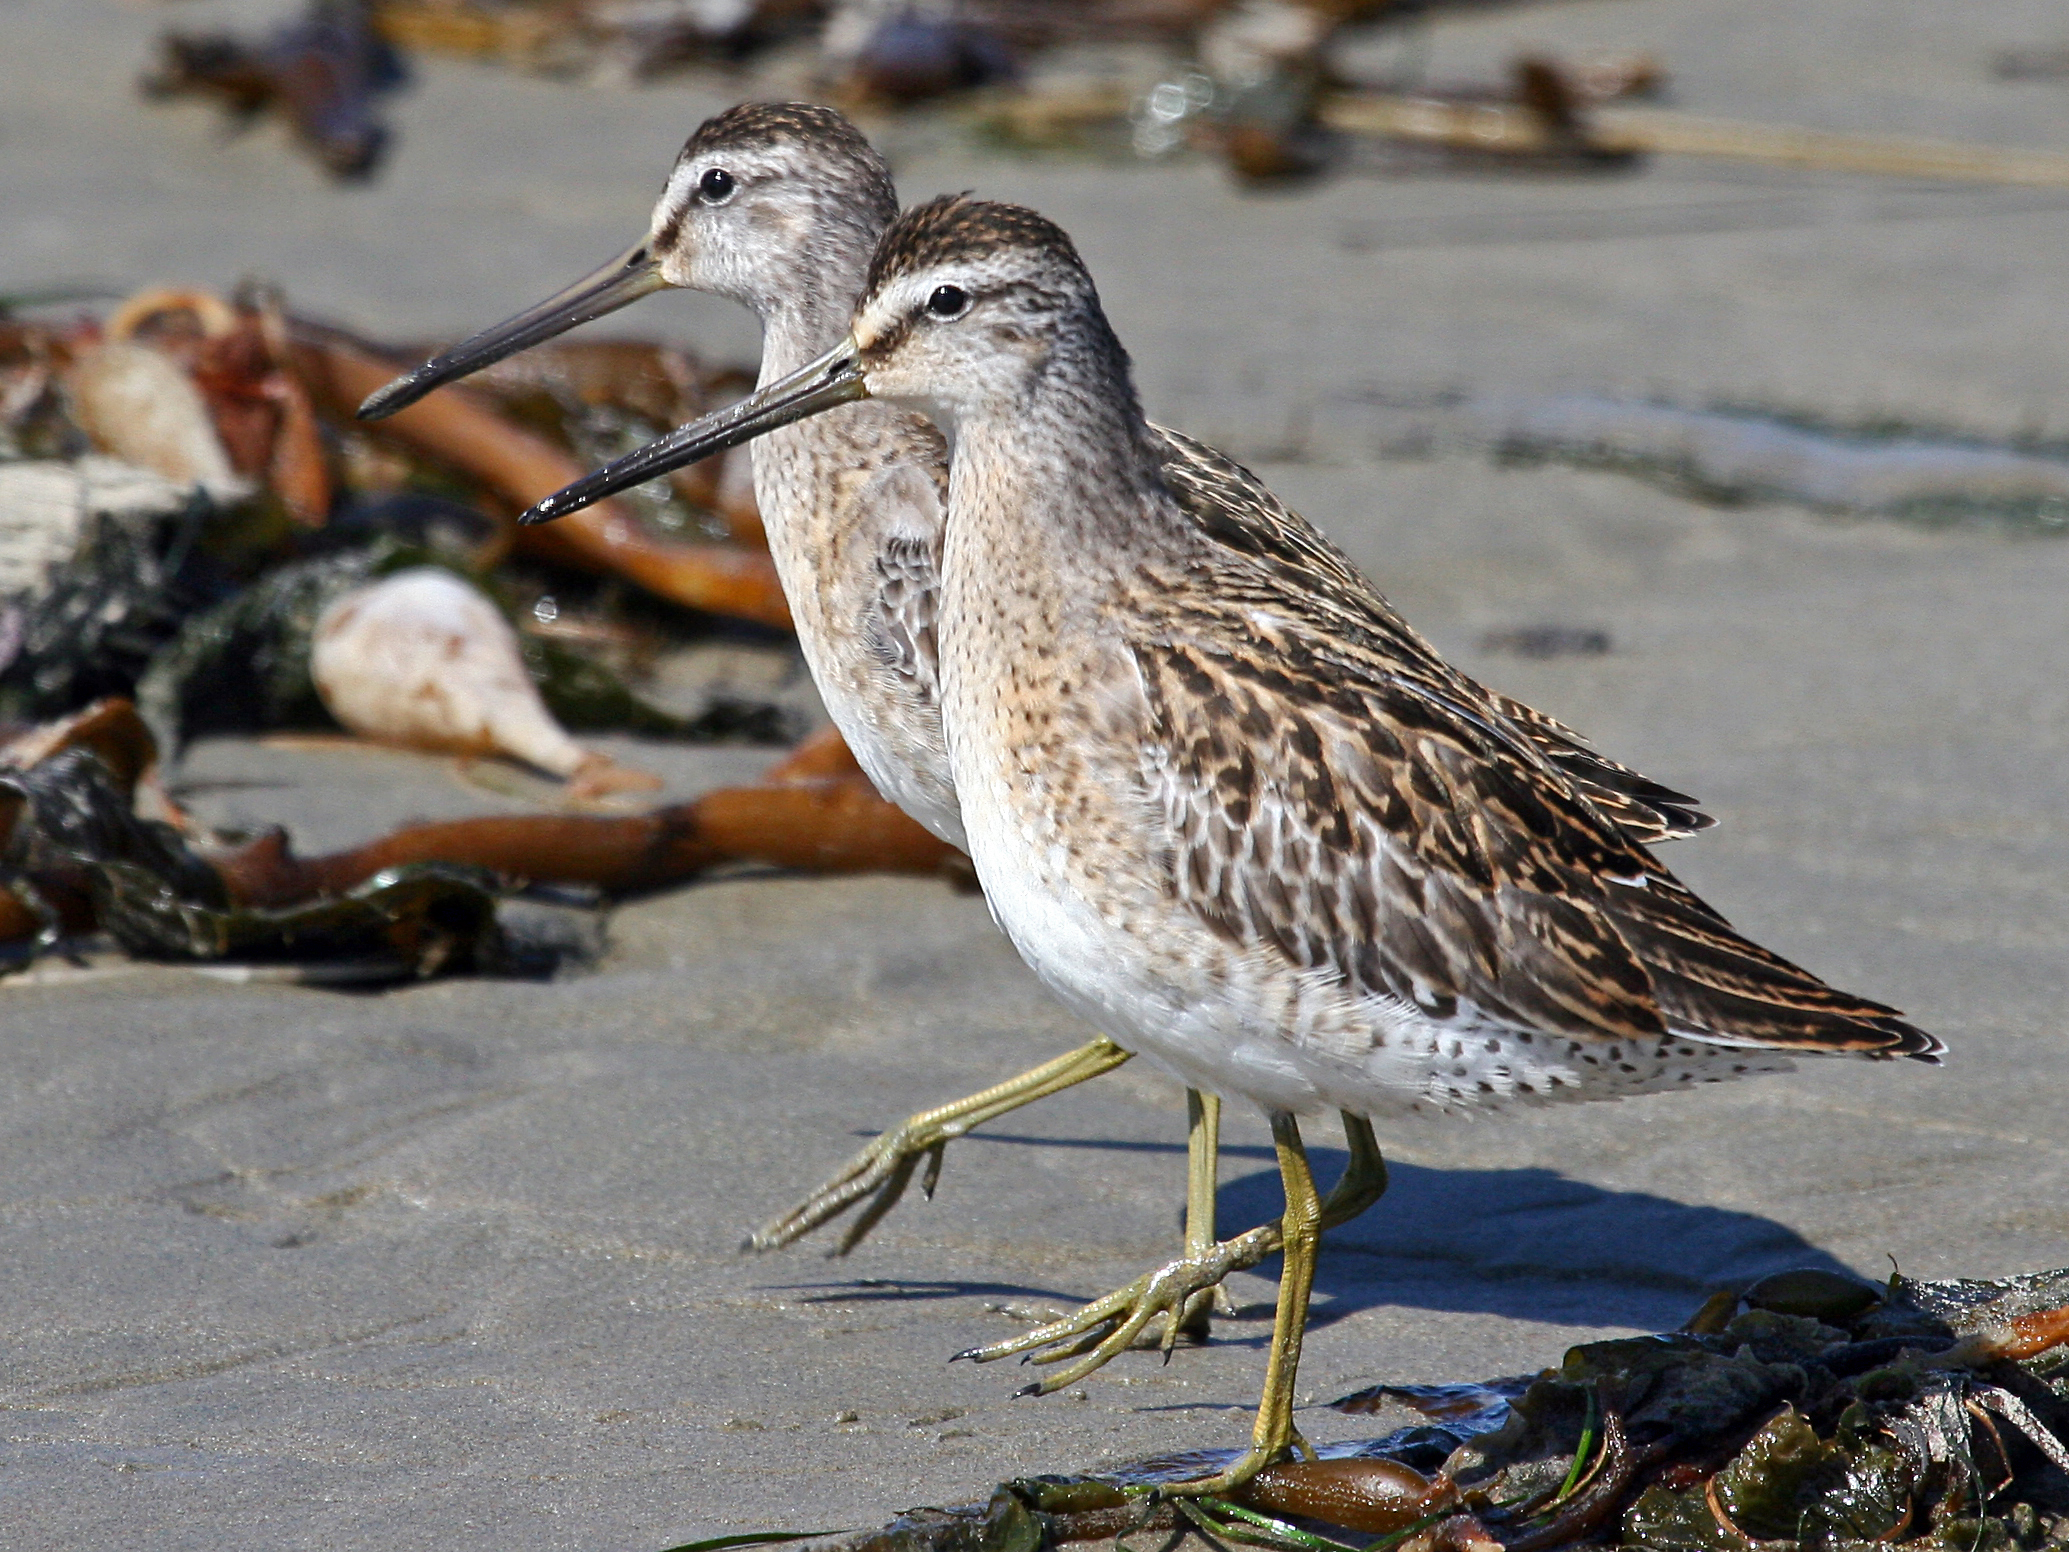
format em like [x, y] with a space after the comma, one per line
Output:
[1247, 1525]
[753, 1538]
[1582, 1451]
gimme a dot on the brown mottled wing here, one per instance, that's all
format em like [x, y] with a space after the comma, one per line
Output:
[1647, 811]
[906, 503]
[1224, 497]
[1351, 810]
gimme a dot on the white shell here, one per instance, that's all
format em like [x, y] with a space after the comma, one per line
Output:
[422, 659]
[138, 405]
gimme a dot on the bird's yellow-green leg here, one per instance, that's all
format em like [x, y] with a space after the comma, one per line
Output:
[884, 1168]
[1273, 1435]
[1110, 1325]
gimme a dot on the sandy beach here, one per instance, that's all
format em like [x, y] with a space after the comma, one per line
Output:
[455, 1265]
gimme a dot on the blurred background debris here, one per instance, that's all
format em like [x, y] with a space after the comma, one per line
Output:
[322, 74]
[190, 516]
[1258, 83]
[91, 842]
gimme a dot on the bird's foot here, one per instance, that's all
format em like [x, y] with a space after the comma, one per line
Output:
[880, 1172]
[1181, 1291]
[1239, 1471]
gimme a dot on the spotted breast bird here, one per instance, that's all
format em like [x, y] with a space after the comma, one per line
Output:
[1222, 798]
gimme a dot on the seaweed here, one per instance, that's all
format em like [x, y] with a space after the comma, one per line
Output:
[113, 590]
[243, 666]
[75, 831]
[1753, 1427]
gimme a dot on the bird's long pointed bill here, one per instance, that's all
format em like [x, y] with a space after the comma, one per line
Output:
[835, 378]
[632, 275]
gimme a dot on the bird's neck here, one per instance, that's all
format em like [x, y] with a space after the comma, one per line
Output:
[808, 318]
[799, 469]
[1067, 480]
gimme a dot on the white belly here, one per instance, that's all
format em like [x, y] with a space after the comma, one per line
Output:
[1244, 1024]
[895, 763]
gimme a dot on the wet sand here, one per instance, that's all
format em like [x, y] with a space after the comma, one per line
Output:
[455, 1265]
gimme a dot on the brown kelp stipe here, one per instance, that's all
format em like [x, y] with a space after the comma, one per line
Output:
[813, 811]
[453, 426]
[821, 825]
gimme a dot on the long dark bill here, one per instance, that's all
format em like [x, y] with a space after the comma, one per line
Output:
[632, 275]
[834, 378]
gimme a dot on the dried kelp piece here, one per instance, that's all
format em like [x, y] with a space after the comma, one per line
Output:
[243, 666]
[601, 399]
[1372, 1495]
[1682, 1442]
[1020, 1516]
[321, 73]
[545, 39]
[900, 52]
[74, 855]
[1786, 1485]
[823, 825]
[111, 728]
[1867, 1422]
[457, 428]
[1968, 1305]
[236, 359]
[426, 918]
[1663, 1388]
[1813, 1293]
[587, 697]
[1476, 1408]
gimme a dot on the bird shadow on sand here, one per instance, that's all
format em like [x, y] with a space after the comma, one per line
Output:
[1527, 1244]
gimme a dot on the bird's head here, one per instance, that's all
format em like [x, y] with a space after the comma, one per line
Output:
[969, 308]
[770, 204]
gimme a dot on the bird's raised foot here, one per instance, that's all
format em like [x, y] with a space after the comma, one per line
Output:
[883, 1170]
[880, 1172]
[1181, 1291]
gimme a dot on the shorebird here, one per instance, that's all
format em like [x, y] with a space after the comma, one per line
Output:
[1224, 800]
[778, 206]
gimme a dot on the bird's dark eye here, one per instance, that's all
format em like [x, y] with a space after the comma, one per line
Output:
[948, 302]
[716, 186]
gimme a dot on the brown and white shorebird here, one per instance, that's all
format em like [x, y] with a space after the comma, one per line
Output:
[1224, 800]
[778, 206]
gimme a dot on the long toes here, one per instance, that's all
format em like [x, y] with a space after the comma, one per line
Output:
[836, 1196]
[1028, 1342]
[1093, 1361]
[1097, 1337]
[882, 1202]
[775, 1235]
[992, 1352]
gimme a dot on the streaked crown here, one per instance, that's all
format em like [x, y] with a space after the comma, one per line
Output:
[956, 228]
[818, 136]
